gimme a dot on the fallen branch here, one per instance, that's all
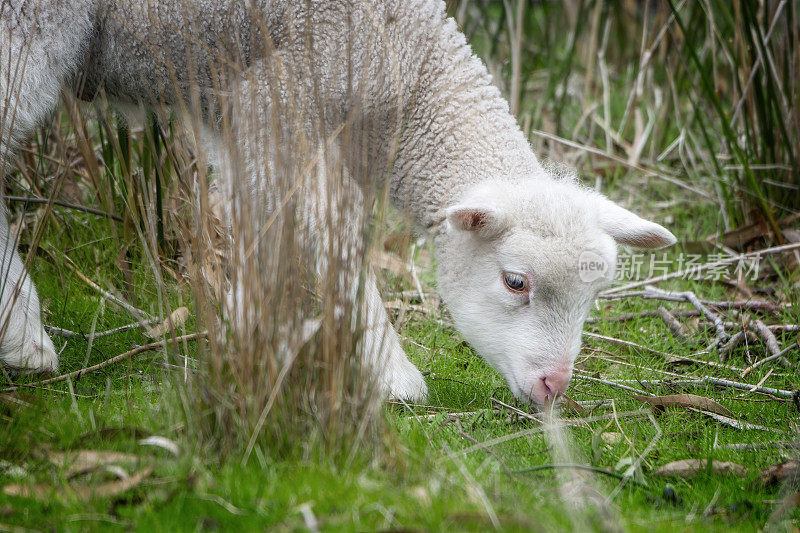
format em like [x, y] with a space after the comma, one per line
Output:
[692, 298]
[627, 344]
[769, 338]
[111, 361]
[734, 341]
[642, 314]
[677, 329]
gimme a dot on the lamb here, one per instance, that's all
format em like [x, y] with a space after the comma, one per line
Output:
[509, 232]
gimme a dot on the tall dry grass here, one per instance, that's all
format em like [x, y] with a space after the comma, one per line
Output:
[276, 243]
[283, 370]
[272, 240]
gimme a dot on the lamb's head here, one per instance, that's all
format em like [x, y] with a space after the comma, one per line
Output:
[519, 267]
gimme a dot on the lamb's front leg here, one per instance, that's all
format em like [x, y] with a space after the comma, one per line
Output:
[40, 47]
[396, 376]
[24, 345]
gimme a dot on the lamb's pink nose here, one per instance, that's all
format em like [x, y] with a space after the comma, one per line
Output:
[551, 384]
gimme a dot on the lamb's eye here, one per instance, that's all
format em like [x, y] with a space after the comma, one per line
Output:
[515, 282]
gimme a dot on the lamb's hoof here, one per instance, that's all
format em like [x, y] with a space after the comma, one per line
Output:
[38, 357]
[408, 384]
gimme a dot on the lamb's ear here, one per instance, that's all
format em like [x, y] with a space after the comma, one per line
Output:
[485, 221]
[631, 230]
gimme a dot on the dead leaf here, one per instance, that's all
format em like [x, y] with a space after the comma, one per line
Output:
[43, 491]
[787, 471]
[687, 401]
[176, 319]
[686, 468]
[82, 461]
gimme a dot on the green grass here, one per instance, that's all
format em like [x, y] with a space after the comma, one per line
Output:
[415, 485]
[417, 480]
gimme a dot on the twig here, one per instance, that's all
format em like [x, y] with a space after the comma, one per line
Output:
[692, 298]
[769, 338]
[735, 340]
[122, 303]
[677, 329]
[762, 380]
[773, 357]
[76, 207]
[588, 468]
[642, 314]
[62, 332]
[539, 429]
[518, 412]
[670, 358]
[627, 344]
[475, 441]
[784, 328]
[111, 361]
[611, 383]
[702, 268]
[647, 294]
[747, 387]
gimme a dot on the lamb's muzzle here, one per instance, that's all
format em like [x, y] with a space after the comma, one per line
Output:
[547, 386]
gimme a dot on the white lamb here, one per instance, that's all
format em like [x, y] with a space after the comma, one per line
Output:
[509, 234]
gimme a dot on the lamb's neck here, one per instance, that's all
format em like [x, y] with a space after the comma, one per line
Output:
[459, 133]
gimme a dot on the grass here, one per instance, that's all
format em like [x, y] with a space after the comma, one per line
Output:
[417, 485]
[423, 477]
